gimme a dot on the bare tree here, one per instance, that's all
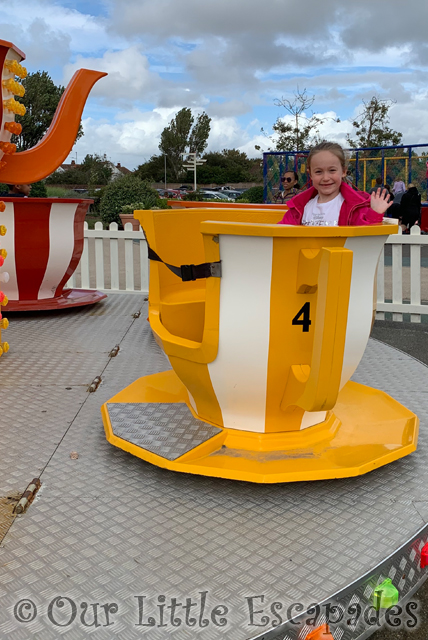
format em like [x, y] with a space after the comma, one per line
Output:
[304, 131]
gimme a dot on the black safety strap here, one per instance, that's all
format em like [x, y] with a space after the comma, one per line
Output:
[189, 272]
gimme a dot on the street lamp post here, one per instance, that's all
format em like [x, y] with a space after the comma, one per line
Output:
[164, 155]
[192, 163]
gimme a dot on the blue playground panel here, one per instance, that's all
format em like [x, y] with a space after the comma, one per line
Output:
[366, 163]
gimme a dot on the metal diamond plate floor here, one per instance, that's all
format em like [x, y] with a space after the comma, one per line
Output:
[170, 430]
[111, 529]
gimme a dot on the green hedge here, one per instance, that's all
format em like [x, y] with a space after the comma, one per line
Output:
[253, 195]
[149, 203]
[38, 190]
[127, 190]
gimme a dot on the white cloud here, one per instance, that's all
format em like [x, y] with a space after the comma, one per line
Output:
[249, 147]
[230, 19]
[85, 33]
[132, 142]
[226, 133]
[330, 129]
[411, 121]
[231, 61]
[129, 76]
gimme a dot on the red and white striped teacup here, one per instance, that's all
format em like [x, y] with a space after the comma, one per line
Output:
[44, 244]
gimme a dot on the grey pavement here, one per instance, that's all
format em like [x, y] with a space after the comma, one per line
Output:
[407, 337]
[413, 340]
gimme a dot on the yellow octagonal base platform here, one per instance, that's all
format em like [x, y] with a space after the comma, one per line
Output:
[153, 419]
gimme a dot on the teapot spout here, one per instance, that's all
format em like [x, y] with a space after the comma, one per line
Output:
[45, 157]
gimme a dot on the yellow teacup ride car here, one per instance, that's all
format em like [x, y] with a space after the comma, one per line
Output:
[263, 325]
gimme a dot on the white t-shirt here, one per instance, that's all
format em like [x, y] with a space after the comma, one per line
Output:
[325, 214]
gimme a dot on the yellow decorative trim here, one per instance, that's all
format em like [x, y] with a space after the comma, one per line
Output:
[282, 230]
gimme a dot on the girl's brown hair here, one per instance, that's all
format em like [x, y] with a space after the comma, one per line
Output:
[333, 147]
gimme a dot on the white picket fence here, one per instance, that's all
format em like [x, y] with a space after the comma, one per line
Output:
[113, 260]
[403, 289]
[116, 261]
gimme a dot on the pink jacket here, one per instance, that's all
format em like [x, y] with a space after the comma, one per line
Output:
[355, 210]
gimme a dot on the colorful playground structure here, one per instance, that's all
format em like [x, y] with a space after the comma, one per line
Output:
[263, 325]
[44, 240]
[405, 162]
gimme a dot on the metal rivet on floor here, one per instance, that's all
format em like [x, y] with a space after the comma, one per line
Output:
[94, 384]
[28, 496]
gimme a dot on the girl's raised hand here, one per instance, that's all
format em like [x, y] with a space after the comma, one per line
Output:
[380, 200]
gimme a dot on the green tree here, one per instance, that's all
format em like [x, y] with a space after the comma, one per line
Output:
[183, 135]
[95, 170]
[256, 170]
[68, 176]
[41, 99]
[126, 190]
[372, 125]
[154, 170]
[221, 167]
[198, 137]
[229, 165]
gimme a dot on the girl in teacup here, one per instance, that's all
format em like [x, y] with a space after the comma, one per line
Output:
[331, 201]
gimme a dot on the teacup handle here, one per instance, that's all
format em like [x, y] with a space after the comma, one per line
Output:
[315, 387]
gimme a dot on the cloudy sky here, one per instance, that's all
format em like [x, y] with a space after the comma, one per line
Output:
[230, 58]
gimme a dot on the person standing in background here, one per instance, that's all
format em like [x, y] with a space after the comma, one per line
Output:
[378, 185]
[348, 178]
[398, 186]
[19, 190]
[410, 208]
[289, 187]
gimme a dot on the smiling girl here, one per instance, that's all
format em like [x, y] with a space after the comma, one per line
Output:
[331, 201]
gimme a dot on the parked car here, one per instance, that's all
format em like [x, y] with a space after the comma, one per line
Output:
[173, 194]
[215, 195]
[170, 193]
[232, 194]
